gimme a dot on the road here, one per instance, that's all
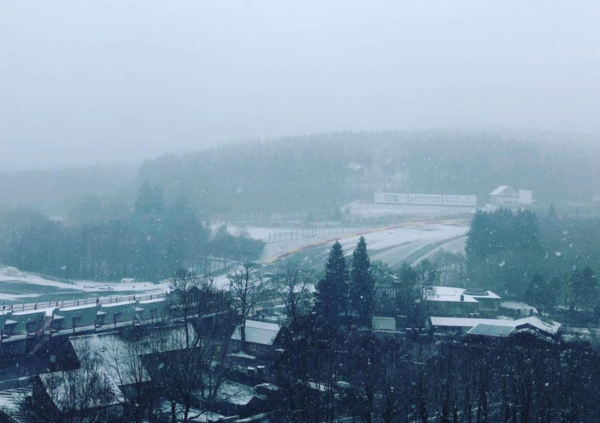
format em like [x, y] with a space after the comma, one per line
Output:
[394, 245]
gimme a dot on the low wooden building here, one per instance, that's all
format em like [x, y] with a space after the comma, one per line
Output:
[261, 338]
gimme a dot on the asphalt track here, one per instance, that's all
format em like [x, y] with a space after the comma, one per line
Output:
[313, 254]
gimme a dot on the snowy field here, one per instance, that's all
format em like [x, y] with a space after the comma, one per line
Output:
[17, 286]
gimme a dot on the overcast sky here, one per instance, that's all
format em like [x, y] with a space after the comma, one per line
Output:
[99, 81]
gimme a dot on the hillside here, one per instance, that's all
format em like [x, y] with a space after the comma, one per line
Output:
[319, 173]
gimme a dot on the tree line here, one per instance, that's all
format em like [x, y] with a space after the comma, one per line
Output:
[318, 174]
[150, 242]
[385, 378]
[548, 260]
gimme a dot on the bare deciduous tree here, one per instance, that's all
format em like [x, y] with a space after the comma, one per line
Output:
[291, 284]
[247, 290]
[82, 395]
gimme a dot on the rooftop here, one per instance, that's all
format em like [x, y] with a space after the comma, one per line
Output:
[451, 294]
[499, 190]
[467, 322]
[79, 307]
[119, 304]
[258, 332]
[497, 331]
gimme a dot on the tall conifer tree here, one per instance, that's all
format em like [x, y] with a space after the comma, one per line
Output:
[332, 290]
[362, 284]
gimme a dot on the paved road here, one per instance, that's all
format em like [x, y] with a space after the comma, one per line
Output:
[394, 245]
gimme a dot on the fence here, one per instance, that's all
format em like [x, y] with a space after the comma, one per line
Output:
[299, 234]
[76, 303]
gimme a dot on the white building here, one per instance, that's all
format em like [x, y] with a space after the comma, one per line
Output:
[452, 301]
[465, 325]
[505, 196]
[260, 337]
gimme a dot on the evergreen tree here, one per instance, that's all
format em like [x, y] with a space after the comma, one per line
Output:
[504, 250]
[556, 292]
[406, 294]
[149, 200]
[583, 289]
[332, 290]
[362, 284]
[540, 293]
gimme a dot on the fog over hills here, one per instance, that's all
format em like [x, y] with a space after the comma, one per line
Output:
[324, 171]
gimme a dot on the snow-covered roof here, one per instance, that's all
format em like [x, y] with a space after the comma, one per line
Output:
[499, 190]
[79, 307]
[451, 294]
[11, 399]
[154, 300]
[467, 322]
[58, 385]
[497, 331]
[119, 304]
[517, 305]
[116, 356]
[119, 365]
[39, 313]
[539, 324]
[236, 393]
[258, 332]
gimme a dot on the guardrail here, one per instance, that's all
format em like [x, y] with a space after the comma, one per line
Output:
[76, 303]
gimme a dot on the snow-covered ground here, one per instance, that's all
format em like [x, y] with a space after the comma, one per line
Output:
[18, 286]
[454, 246]
[409, 242]
[255, 232]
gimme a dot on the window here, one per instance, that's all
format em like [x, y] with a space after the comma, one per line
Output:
[76, 321]
[33, 326]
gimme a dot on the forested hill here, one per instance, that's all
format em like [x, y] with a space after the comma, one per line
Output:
[319, 173]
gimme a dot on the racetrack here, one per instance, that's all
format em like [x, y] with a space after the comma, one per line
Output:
[393, 245]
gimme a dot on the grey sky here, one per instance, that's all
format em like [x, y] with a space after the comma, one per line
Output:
[100, 81]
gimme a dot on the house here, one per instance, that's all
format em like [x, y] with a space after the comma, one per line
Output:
[98, 357]
[386, 292]
[505, 196]
[460, 302]
[236, 398]
[116, 366]
[492, 327]
[261, 338]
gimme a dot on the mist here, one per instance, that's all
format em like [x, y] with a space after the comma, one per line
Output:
[112, 82]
